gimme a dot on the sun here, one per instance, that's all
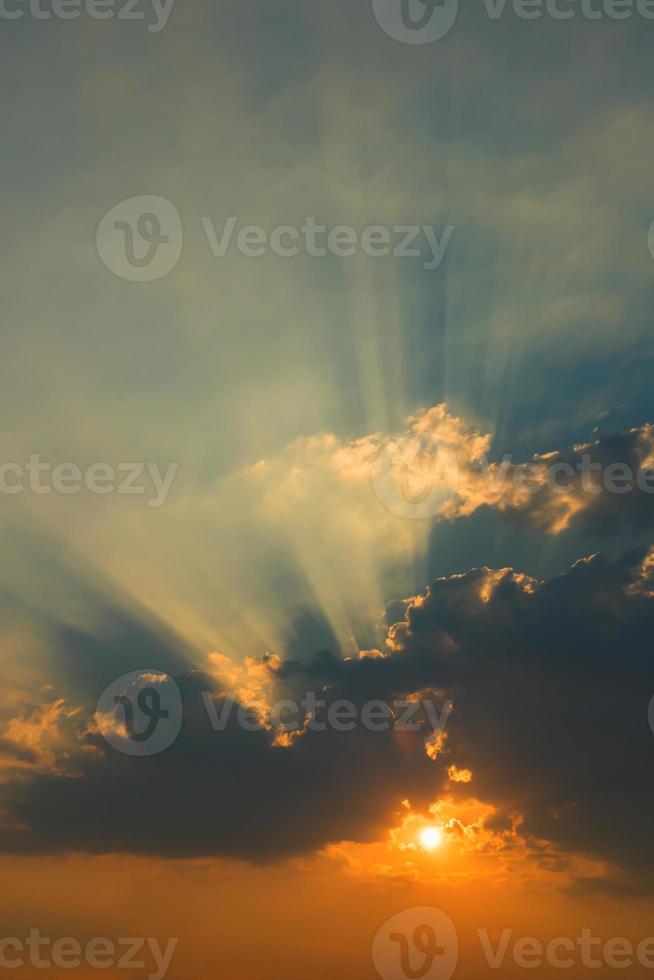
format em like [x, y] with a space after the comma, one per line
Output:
[431, 838]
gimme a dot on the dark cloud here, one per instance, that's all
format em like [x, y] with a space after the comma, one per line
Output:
[508, 532]
[227, 793]
[617, 494]
[17, 753]
[600, 490]
[551, 684]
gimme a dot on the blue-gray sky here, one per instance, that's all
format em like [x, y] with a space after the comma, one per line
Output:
[277, 388]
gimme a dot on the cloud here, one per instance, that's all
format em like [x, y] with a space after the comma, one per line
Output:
[229, 793]
[442, 467]
[601, 487]
[328, 526]
[550, 683]
[41, 739]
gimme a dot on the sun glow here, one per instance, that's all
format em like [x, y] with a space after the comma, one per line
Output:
[431, 838]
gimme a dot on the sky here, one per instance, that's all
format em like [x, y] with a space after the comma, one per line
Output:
[326, 372]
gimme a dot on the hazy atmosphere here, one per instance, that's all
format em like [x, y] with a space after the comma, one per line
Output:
[327, 489]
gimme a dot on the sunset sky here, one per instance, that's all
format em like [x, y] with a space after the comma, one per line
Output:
[341, 468]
